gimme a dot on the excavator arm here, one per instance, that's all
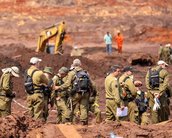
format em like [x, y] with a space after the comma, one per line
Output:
[44, 36]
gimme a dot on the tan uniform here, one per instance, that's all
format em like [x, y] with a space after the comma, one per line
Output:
[131, 91]
[112, 97]
[47, 94]
[35, 102]
[5, 92]
[160, 53]
[166, 54]
[61, 101]
[77, 98]
[94, 104]
[163, 113]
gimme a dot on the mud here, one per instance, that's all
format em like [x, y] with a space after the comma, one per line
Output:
[16, 125]
[144, 24]
[23, 126]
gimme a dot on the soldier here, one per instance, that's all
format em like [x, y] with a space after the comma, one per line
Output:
[166, 53]
[79, 96]
[47, 90]
[157, 83]
[35, 101]
[129, 93]
[112, 94]
[160, 52]
[6, 90]
[61, 96]
[94, 103]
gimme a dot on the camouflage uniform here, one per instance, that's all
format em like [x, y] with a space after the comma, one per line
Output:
[6, 88]
[129, 100]
[94, 104]
[35, 102]
[77, 98]
[61, 100]
[47, 95]
[163, 113]
[112, 97]
[164, 54]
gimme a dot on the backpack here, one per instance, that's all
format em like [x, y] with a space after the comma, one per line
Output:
[154, 78]
[28, 83]
[81, 82]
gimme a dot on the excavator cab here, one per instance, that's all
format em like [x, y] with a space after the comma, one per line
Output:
[51, 39]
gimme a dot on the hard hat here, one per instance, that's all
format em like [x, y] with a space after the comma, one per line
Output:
[168, 45]
[76, 62]
[160, 62]
[15, 71]
[118, 31]
[35, 60]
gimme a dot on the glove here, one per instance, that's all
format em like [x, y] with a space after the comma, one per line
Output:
[157, 104]
[95, 104]
[139, 92]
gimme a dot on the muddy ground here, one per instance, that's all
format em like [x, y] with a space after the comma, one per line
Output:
[144, 24]
[97, 66]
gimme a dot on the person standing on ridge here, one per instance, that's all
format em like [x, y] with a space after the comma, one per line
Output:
[119, 41]
[108, 42]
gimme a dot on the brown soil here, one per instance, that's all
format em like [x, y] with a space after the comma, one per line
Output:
[21, 22]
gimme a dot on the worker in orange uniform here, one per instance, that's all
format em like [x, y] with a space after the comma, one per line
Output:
[119, 41]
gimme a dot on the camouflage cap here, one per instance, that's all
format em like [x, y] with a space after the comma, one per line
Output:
[63, 70]
[48, 70]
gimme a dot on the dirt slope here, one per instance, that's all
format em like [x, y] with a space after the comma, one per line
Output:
[145, 24]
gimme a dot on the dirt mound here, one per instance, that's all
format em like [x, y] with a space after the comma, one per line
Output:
[17, 126]
[97, 66]
[127, 129]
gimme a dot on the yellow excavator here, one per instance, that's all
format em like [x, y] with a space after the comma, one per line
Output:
[51, 39]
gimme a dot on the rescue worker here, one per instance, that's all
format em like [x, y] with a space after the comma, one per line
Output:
[94, 103]
[48, 72]
[128, 94]
[158, 85]
[119, 41]
[6, 90]
[113, 99]
[108, 42]
[166, 53]
[160, 53]
[35, 101]
[81, 98]
[60, 97]
[60, 38]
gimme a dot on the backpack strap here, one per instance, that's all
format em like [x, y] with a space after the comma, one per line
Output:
[126, 78]
[32, 74]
